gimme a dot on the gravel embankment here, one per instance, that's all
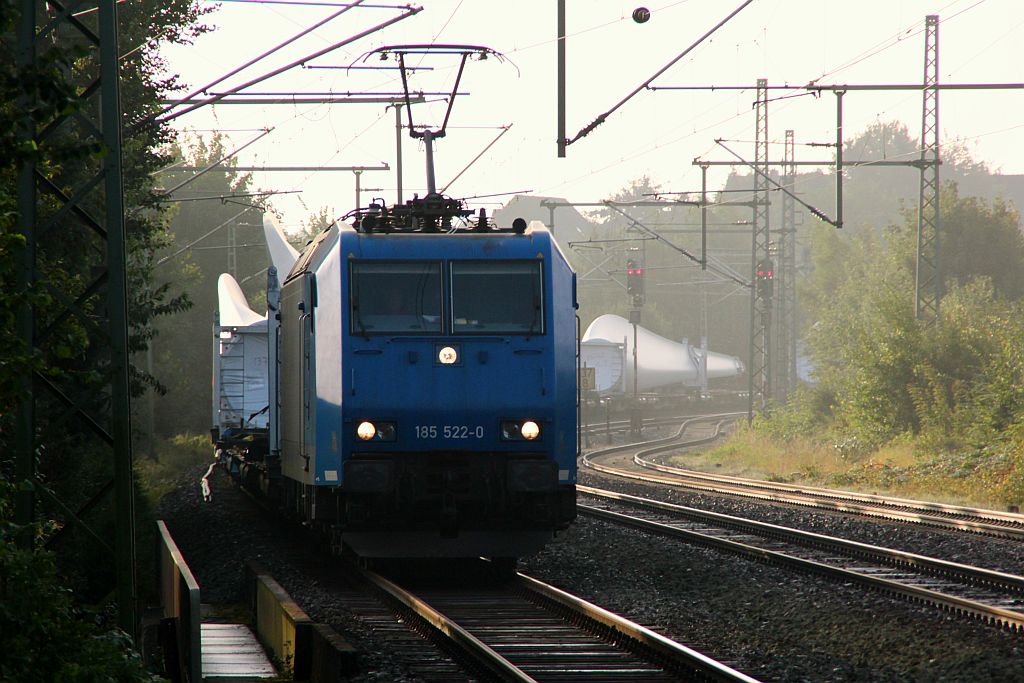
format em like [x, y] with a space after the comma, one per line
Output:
[770, 623]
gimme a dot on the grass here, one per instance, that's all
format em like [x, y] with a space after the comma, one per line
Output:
[174, 457]
[897, 470]
[745, 454]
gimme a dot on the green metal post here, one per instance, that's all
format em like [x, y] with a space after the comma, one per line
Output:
[25, 458]
[117, 302]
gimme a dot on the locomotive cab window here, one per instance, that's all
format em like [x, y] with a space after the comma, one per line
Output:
[497, 298]
[396, 298]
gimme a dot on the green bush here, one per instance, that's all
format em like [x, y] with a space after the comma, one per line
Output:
[803, 416]
[44, 636]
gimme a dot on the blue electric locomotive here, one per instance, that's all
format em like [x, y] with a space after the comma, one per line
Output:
[420, 371]
[428, 389]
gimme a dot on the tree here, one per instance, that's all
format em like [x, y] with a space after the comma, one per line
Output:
[44, 635]
[952, 385]
[864, 337]
[317, 222]
[215, 230]
[978, 240]
[672, 281]
[72, 350]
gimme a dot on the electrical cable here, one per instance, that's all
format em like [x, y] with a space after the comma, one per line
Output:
[411, 11]
[603, 117]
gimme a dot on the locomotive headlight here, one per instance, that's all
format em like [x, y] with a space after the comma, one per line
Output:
[366, 431]
[379, 431]
[519, 430]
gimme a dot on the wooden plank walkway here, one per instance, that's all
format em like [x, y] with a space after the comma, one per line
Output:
[231, 654]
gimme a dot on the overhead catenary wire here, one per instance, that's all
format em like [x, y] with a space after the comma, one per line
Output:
[601, 118]
[647, 133]
[227, 197]
[504, 129]
[311, 3]
[720, 270]
[215, 164]
[410, 11]
[188, 246]
[873, 51]
[269, 52]
[818, 213]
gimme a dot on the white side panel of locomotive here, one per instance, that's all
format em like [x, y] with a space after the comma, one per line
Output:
[326, 464]
[304, 357]
[291, 365]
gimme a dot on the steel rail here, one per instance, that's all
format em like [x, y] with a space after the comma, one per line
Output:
[611, 630]
[1010, 588]
[939, 515]
[618, 425]
[671, 441]
[468, 619]
[481, 654]
[1009, 523]
[680, 656]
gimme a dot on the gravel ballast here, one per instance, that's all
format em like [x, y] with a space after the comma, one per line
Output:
[771, 623]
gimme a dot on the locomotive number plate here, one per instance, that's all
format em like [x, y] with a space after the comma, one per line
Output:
[449, 431]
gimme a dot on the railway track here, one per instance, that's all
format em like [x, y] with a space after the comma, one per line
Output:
[516, 630]
[993, 597]
[525, 630]
[939, 515]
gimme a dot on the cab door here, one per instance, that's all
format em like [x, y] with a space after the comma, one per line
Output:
[307, 326]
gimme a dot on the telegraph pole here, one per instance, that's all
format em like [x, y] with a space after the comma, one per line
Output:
[759, 377]
[91, 213]
[785, 335]
[928, 285]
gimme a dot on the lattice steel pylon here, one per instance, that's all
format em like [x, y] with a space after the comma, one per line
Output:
[79, 228]
[784, 375]
[928, 287]
[759, 381]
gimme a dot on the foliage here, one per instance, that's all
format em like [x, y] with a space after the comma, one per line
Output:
[207, 237]
[990, 478]
[37, 94]
[44, 636]
[176, 457]
[311, 227]
[864, 341]
[806, 412]
[952, 392]
[674, 285]
[45, 111]
[748, 452]
[977, 240]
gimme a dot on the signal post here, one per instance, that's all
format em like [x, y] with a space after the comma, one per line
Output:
[635, 288]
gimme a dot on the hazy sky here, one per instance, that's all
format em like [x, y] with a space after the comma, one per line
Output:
[657, 134]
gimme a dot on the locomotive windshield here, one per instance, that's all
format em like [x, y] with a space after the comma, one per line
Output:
[497, 297]
[396, 298]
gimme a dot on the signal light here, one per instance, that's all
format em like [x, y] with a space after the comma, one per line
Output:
[634, 278]
[765, 279]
